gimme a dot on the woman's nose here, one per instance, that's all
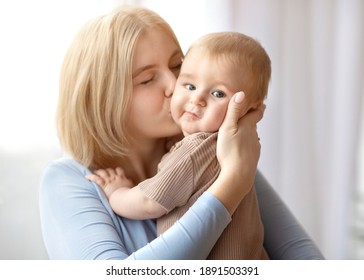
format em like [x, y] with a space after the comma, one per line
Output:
[170, 84]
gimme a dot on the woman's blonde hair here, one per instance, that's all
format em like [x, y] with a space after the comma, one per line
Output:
[96, 85]
[250, 58]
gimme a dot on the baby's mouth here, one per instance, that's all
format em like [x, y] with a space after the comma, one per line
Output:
[192, 115]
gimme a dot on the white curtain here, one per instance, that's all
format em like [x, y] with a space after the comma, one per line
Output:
[310, 131]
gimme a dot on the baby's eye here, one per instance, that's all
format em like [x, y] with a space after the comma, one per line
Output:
[190, 87]
[218, 94]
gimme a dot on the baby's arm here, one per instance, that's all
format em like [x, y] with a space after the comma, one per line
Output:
[125, 199]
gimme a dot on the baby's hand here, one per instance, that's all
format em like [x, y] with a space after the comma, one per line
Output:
[110, 179]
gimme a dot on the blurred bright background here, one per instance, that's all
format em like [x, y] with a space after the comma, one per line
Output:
[312, 133]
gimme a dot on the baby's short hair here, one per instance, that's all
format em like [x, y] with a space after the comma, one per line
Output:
[246, 54]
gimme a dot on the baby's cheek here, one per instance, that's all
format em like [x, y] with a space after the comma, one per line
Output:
[221, 117]
[215, 122]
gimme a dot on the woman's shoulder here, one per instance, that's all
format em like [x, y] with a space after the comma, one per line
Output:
[66, 175]
[66, 165]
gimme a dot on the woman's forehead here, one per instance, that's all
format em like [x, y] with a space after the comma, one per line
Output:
[154, 46]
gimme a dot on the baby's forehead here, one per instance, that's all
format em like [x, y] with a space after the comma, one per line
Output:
[200, 51]
[224, 66]
[198, 54]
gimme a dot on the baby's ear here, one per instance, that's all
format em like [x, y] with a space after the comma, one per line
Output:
[255, 105]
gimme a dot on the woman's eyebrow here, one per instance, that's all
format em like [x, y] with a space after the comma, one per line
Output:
[150, 66]
[142, 69]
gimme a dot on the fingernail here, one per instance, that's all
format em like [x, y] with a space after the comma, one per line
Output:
[239, 97]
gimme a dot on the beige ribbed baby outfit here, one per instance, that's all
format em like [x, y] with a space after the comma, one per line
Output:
[183, 175]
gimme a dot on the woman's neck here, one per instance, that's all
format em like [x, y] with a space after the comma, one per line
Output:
[143, 158]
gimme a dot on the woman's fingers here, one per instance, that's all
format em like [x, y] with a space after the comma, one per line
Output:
[238, 140]
[239, 109]
[255, 115]
[238, 106]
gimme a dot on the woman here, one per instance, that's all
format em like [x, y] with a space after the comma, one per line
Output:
[115, 88]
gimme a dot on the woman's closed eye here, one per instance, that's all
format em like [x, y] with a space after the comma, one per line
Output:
[146, 80]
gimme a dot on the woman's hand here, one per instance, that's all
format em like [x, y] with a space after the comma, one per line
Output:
[238, 144]
[238, 151]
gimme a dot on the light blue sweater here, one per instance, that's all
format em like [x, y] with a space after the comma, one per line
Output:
[78, 223]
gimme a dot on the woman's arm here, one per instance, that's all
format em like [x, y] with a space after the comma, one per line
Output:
[284, 237]
[193, 236]
[78, 222]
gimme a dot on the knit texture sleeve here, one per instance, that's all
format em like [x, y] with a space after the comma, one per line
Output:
[175, 181]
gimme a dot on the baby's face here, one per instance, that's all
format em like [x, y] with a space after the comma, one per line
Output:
[202, 93]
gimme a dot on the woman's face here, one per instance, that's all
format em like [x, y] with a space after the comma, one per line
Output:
[156, 65]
